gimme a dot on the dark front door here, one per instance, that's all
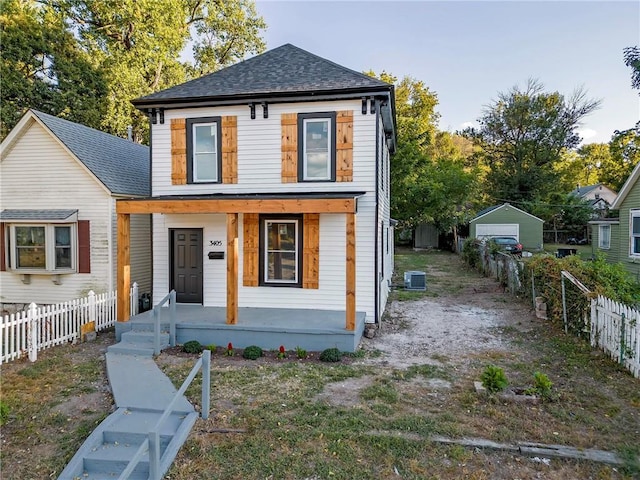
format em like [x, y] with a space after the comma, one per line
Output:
[186, 268]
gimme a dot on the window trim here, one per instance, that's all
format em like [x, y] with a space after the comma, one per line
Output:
[262, 250]
[190, 125]
[601, 245]
[302, 117]
[49, 246]
[633, 214]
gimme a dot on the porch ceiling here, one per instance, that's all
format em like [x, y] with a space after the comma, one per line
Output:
[256, 203]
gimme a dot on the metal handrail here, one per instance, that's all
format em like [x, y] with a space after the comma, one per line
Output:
[171, 298]
[152, 443]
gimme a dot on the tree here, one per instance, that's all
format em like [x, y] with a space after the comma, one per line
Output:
[632, 60]
[625, 155]
[522, 136]
[137, 44]
[429, 179]
[43, 68]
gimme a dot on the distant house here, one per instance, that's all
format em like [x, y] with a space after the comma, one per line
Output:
[619, 238]
[508, 221]
[59, 185]
[599, 196]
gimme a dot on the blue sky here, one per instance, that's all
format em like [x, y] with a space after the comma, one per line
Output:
[467, 52]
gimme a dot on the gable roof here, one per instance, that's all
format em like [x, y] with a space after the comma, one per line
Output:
[582, 191]
[283, 71]
[493, 208]
[626, 188]
[120, 165]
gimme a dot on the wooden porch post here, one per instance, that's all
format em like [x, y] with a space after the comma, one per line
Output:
[351, 272]
[232, 268]
[124, 268]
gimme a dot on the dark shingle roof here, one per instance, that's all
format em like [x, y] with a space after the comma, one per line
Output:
[582, 191]
[21, 214]
[285, 70]
[121, 165]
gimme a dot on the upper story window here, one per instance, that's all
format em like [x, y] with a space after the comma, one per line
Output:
[634, 232]
[317, 155]
[43, 247]
[604, 237]
[203, 150]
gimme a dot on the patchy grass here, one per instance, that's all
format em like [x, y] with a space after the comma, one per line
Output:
[375, 423]
[585, 251]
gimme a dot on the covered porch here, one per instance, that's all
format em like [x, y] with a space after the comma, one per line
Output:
[313, 330]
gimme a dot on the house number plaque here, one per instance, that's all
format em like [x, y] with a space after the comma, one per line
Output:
[215, 243]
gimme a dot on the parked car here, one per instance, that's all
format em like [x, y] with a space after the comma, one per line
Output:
[576, 241]
[508, 244]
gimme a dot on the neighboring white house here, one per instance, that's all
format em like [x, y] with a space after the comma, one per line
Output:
[270, 187]
[59, 182]
[599, 196]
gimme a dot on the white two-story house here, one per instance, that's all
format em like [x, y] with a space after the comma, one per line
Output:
[270, 199]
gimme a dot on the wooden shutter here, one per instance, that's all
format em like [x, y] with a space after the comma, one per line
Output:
[344, 146]
[230, 149]
[84, 247]
[3, 253]
[178, 151]
[311, 250]
[251, 246]
[289, 123]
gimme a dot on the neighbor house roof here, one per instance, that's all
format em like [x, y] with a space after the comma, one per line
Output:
[38, 214]
[488, 210]
[122, 166]
[283, 71]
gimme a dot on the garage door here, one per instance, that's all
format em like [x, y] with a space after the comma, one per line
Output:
[498, 230]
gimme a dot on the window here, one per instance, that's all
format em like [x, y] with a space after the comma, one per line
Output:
[634, 231]
[317, 157]
[604, 237]
[203, 150]
[47, 247]
[280, 250]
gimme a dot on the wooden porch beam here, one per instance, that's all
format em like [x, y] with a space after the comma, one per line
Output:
[186, 205]
[232, 268]
[351, 273]
[124, 268]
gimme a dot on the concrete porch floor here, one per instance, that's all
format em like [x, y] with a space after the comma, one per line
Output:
[313, 330]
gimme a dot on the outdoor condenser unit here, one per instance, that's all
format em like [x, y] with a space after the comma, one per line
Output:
[414, 280]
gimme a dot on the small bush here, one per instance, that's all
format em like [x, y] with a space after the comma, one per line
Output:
[542, 385]
[252, 352]
[471, 252]
[331, 355]
[494, 379]
[192, 346]
[211, 348]
[301, 353]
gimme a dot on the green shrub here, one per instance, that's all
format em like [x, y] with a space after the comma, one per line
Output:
[494, 379]
[252, 352]
[541, 385]
[211, 348]
[192, 346]
[471, 252]
[301, 353]
[331, 355]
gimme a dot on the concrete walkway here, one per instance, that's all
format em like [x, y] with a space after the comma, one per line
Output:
[141, 393]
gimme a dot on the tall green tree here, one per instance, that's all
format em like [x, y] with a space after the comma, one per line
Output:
[631, 57]
[138, 43]
[522, 135]
[429, 179]
[42, 67]
[624, 148]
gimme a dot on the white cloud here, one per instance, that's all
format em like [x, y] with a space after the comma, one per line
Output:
[587, 133]
[467, 125]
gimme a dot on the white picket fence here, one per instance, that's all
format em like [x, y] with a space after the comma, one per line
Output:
[615, 328]
[37, 328]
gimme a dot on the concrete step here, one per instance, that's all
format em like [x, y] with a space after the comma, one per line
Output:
[143, 336]
[113, 458]
[130, 348]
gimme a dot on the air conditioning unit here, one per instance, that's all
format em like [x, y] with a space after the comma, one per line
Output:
[414, 280]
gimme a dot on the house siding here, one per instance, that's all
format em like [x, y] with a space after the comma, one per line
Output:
[37, 173]
[260, 171]
[530, 230]
[631, 202]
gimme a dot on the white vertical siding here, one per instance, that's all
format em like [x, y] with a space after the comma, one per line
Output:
[38, 173]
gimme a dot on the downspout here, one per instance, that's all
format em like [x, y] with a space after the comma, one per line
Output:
[151, 214]
[376, 251]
